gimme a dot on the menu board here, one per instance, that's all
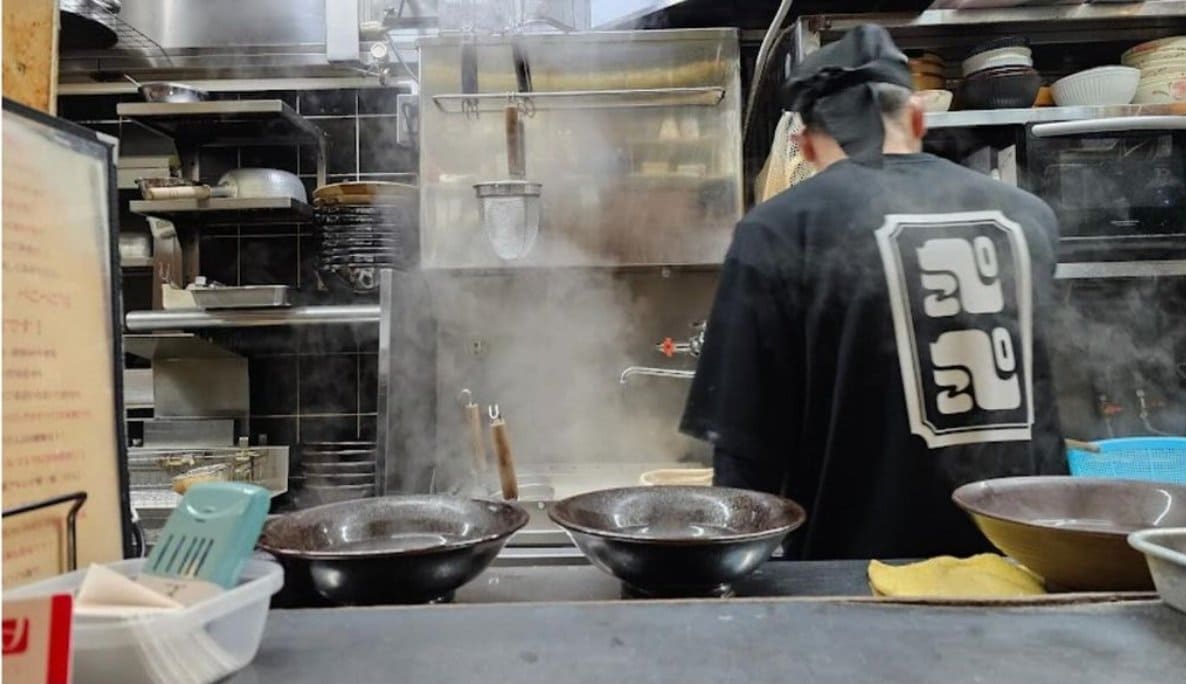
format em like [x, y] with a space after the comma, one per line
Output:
[60, 396]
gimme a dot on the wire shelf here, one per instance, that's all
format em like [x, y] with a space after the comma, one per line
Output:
[128, 37]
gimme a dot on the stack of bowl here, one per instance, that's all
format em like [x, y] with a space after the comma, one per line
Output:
[335, 471]
[1000, 74]
[1162, 64]
[930, 81]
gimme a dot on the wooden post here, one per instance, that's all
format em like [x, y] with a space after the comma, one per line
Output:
[31, 53]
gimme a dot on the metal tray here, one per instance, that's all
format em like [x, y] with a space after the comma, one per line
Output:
[1165, 549]
[242, 297]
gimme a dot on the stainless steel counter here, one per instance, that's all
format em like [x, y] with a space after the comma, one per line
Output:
[555, 624]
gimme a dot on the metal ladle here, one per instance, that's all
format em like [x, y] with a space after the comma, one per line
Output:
[510, 208]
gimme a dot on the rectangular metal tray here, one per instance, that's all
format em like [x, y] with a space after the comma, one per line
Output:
[242, 297]
[1165, 550]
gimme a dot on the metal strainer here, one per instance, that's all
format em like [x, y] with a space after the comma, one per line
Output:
[510, 209]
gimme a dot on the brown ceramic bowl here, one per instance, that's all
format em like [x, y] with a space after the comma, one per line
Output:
[1073, 530]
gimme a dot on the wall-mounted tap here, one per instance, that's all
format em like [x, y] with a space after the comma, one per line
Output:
[695, 344]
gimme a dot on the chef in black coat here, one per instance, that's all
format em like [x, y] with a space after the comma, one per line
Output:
[878, 336]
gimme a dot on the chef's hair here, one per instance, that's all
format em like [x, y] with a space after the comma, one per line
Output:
[893, 99]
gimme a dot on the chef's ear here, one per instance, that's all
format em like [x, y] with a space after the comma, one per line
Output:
[918, 119]
[806, 146]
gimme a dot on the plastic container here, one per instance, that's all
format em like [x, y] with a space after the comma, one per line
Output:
[1106, 85]
[1165, 549]
[1153, 459]
[200, 644]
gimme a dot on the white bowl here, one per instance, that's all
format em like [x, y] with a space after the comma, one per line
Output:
[1006, 56]
[1161, 91]
[1142, 51]
[935, 100]
[1106, 85]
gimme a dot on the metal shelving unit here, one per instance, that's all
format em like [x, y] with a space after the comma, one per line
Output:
[1021, 117]
[226, 210]
[194, 319]
[1120, 269]
[585, 99]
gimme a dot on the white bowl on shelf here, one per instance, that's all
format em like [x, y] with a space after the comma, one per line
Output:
[1106, 85]
[935, 100]
[1018, 55]
[1154, 49]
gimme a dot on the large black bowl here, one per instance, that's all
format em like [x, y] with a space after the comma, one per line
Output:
[677, 541]
[388, 550]
[1000, 88]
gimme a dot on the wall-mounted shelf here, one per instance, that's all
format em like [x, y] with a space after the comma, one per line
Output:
[192, 319]
[1021, 117]
[585, 99]
[224, 123]
[225, 210]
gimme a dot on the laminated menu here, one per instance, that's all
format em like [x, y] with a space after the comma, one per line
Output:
[59, 401]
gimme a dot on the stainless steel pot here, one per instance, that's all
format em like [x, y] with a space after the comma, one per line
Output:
[161, 91]
[239, 183]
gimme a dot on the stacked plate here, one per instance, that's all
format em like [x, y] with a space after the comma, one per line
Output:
[1163, 70]
[1000, 74]
[335, 471]
[364, 227]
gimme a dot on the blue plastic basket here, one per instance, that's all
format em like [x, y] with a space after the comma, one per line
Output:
[1157, 459]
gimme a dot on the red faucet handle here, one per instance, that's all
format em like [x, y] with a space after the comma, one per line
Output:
[667, 346]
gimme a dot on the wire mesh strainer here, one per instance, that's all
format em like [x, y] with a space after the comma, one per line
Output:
[510, 208]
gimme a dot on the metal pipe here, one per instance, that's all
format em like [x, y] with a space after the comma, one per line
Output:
[656, 373]
[138, 321]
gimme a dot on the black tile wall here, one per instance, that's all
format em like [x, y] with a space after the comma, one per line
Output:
[311, 383]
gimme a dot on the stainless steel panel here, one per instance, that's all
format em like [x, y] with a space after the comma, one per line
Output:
[188, 433]
[200, 388]
[296, 315]
[652, 179]
[209, 23]
[241, 297]
[1017, 117]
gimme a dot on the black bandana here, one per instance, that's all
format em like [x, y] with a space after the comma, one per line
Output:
[832, 87]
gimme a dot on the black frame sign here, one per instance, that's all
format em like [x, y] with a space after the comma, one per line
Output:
[65, 477]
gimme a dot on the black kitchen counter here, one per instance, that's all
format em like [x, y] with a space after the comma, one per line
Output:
[562, 624]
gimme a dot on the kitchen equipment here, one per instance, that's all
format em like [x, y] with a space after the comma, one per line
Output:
[396, 549]
[339, 479]
[217, 472]
[209, 536]
[1090, 447]
[240, 183]
[935, 100]
[503, 454]
[1162, 48]
[1005, 56]
[677, 541]
[677, 476]
[363, 227]
[134, 246]
[321, 494]
[240, 297]
[160, 91]
[1000, 88]
[340, 456]
[473, 429]
[230, 625]
[510, 210]
[87, 24]
[365, 192]
[1156, 459]
[1118, 186]
[1165, 551]
[1072, 530]
[343, 468]
[1106, 85]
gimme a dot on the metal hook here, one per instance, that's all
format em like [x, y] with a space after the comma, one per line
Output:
[494, 412]
[466, 396]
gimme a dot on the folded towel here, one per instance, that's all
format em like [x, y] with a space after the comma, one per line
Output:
[984, 576]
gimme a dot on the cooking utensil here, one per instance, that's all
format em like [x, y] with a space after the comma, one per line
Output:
[338, 479]
[1090, 447]
[210, 534]
[677, 541]
[1165, 551]
[1072, 530]
[321, 494]
[473, 423]
[502, 452]
[87, 24]
[161, 91]
[677, 476]
[509, 208]
[365, 192]
[344, 468]
[396, 549]
[240, 183]
[241, 297]
[1156, 459]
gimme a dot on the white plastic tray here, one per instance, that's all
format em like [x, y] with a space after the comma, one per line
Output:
[1165, 549]
[198, 645]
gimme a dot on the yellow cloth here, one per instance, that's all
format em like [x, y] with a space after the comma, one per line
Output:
[984, 576]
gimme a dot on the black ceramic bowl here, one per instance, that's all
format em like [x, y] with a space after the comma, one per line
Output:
[1010, 87]
[677, 541]
[395, 549]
